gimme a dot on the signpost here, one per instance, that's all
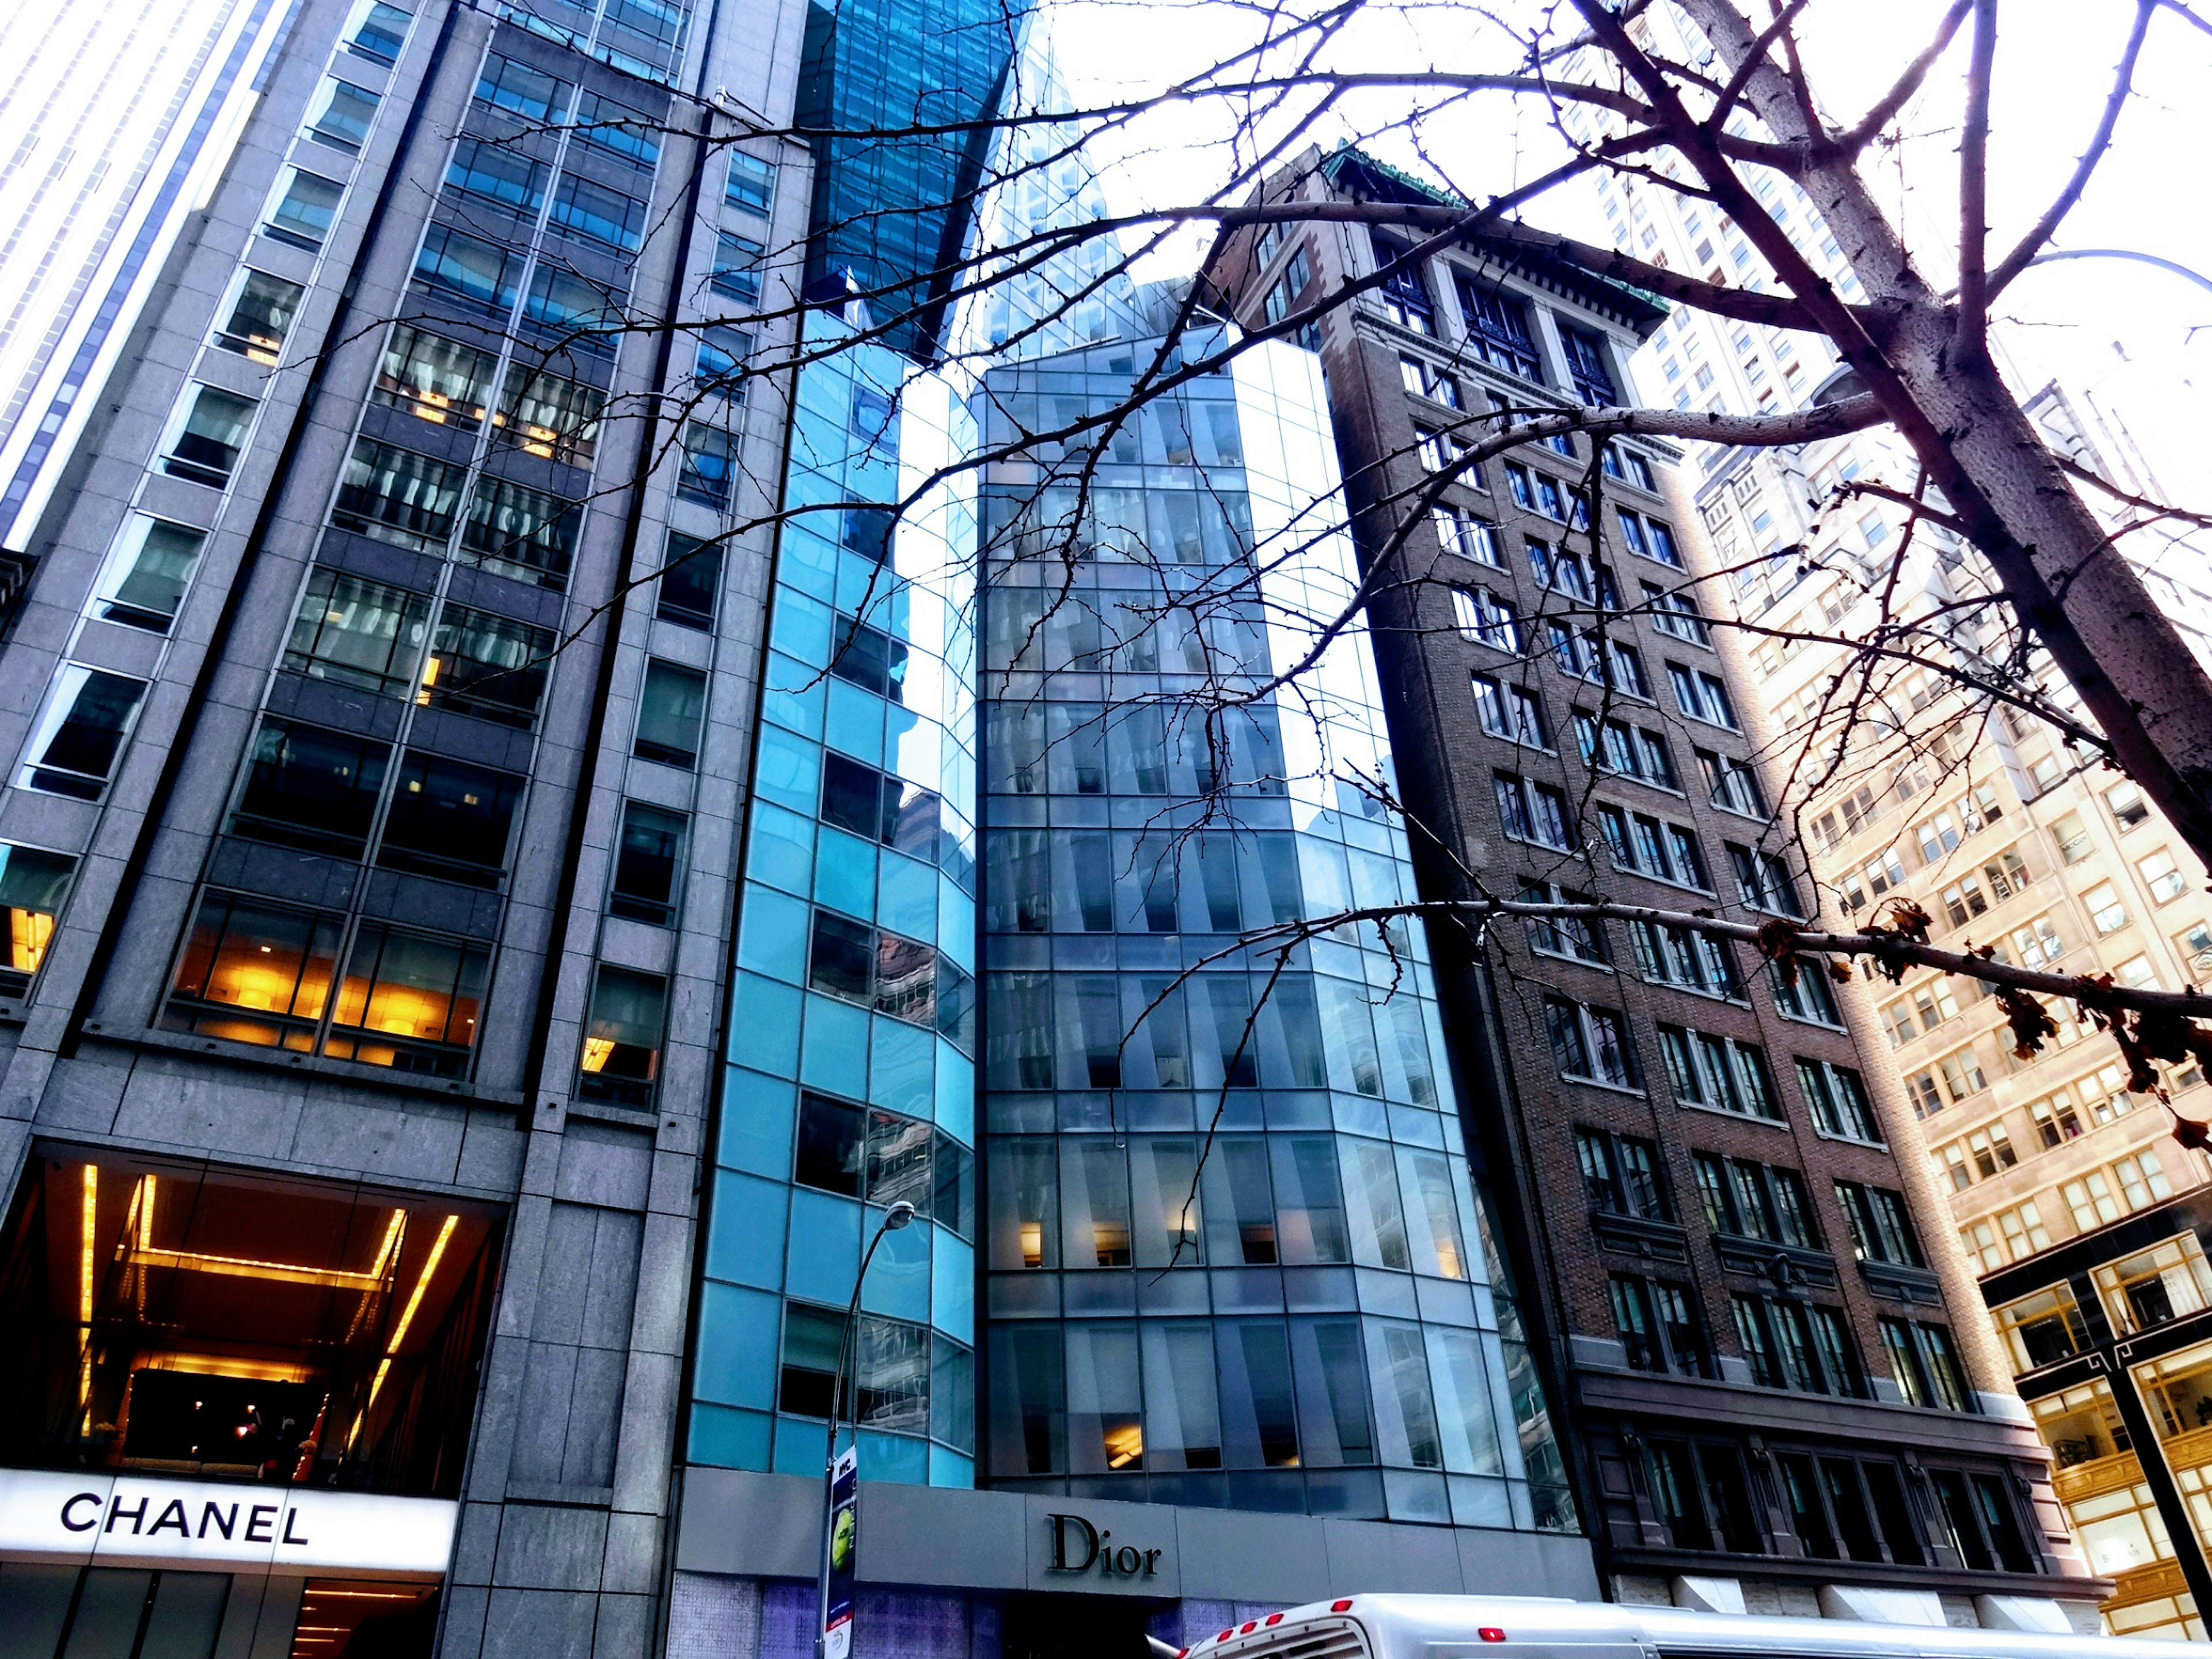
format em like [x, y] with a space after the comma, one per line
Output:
[843, 1540]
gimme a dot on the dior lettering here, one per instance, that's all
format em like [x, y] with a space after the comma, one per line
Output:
[1112, 1560]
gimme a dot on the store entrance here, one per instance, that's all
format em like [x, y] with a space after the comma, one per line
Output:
[137, 1612]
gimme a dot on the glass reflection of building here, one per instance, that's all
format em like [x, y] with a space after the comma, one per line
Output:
[1233, 1255]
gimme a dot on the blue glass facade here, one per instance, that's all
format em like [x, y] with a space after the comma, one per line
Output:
[851, 1076]
[1233, 1256]
[893, 209]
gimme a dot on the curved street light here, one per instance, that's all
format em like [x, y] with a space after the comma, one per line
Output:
[895, 1218]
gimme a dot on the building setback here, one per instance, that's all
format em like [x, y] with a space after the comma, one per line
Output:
[1775, 1385]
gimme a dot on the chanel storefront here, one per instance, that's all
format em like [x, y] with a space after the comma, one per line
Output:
[237, 1409]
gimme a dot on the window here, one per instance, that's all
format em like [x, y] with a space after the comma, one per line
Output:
[1962, 1075]
[615, 128]
[377, 31]
[1675, 612]
[408, 1001]
[2107, 914]
[672, 715]
[393, 494]
[1486, 619]
[577, 314]
[1587, 370]
[468, 271]
[1925, 1365]
[1511, 711]
[1404, 295]
[2037, 943]
[145, 576]
[1532, 811]
[1628, 464]
[342, 114]
[205, 436]
[2161, 873]
[752, 186]
[1659, 1324]
[1621, 1175]
[1626, 750]
[855, 962]
[80, 733]
[1424, 378]
[301, 209]
[1654, 848]
[434, 379]
[520, 532]
[690, 579]
[621, 1061]
[1579, 938]
[708, 474]
[1804, 995]
[736, 273]
[1763, 881]
[521, 90]
[491, 667]
[1837, 1096]
[1465, 534]
[2128, 807]
[1676, 955]
[719, 366]
[1789, 1345]
[450, 819]
[33, 886]
[1497, 327]
[1719, 1073]
[583, 207]
[1589, 1044]
[354, 632]
[499, 175]
[648, 863]
[306, 786]
[1732, 783]
[1440, 452]
[909, 818]
[1701, 696]
[1880, 1227]
[550, 417]
[258, 316]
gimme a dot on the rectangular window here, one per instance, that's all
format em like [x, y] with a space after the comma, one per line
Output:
[144, 577]
[33, 886]
[497, 175]
[206, 435]
[257, 316]
[522, 90]
[301, 209]
[1497, 327]
[1804, 994]
[708, 474]
[307, 786]
[377, 31]
[514, 531]
[1620, 1175]
[1403, 292]
[342, 114]
[1487, 619]
[450, 819]
[690, 579]
[648, 863]
[719, 366]
[79, 735]
[1582, 938]
[1838, 1100]
[621, 1061]
[752, 186]
[468, 271]
[1732, 784]
[1675, 612]
[615, 128]
[393, 494]
[573, 312]
[434, 379]
[1588, 1043]
[490, 666]
[736, 273]
[408, 1001]
[549, 416]
[254, 972]
[672, 715]
[1701, 696]
[1881, 1230]
[1511, 711]
[583, 207]
[1587, 370]
[354, 632]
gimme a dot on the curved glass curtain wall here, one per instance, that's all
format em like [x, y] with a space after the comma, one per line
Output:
[1312, 1323]
[851, 1079]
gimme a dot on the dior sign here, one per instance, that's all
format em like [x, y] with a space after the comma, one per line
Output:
[1079, 1547]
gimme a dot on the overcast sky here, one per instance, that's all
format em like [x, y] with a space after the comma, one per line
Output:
[2140, 339]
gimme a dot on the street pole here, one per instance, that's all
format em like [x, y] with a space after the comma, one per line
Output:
[895, 1218]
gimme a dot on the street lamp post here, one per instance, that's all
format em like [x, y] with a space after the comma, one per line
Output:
[894, 1218]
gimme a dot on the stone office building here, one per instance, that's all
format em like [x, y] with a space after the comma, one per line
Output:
[366, 843]
[1774, 1382]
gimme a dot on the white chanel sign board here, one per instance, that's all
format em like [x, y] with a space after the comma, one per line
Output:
[112, 1519]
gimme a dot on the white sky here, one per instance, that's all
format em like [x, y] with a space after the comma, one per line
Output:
[2140, 339]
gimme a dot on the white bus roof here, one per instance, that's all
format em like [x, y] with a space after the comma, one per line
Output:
[1475, 1627]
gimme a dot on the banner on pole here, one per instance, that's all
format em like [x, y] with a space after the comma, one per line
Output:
[844, 1540]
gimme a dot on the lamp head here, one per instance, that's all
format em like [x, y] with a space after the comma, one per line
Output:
[897, 1216]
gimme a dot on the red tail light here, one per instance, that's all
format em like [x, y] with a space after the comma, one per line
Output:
[1248, 1627]
[1340, 1607]
[1491, 1633]
[1274, 1619]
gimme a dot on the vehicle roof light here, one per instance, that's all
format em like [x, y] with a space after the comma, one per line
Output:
[1274, 1619]
[1491, 1633]
[1340, 1606]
